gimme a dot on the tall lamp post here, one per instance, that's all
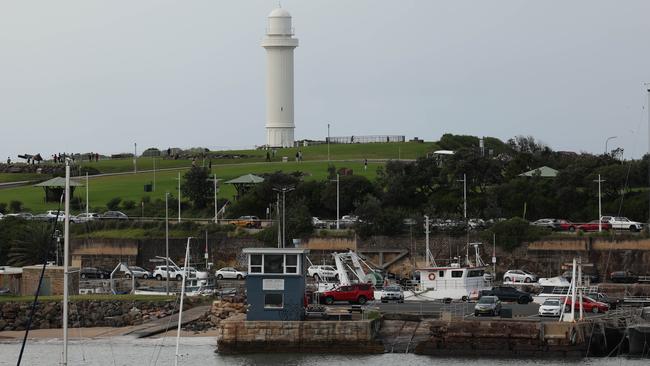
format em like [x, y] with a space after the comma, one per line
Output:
[338, 196]
[284, 191]
[600, 207]
[464, 180]
[167, 241]
[607, 141]
[216, 193]
[328, 142]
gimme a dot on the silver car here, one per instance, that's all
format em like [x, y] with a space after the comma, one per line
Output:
[392, 293]
[138, 272]
[488, 305]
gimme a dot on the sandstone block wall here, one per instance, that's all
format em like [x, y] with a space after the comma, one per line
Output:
[52, 281]
[238, 336]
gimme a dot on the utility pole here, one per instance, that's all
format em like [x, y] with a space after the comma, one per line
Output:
[179, 196]
[216, 210]
[277, 215]
[167, 241]
[328, 142]
[135, 157]
[464, 180]
[600, 207]
[648, 109]
[87, 202]
[66, 246]
[426, 232]
[284, 191]
[154, 173]
[338, 196]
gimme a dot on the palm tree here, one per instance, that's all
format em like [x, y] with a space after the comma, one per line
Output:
[33, 246]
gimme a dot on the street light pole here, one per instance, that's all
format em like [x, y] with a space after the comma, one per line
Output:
[328, 142]
[167, 241]
[606, 141]
[277, 215]
[338, 198]
[216, 210]
[284, 190]
[135, 157]
[426, 232]
[179, 196]
[154, 173]
[464, 180]
[600, 207]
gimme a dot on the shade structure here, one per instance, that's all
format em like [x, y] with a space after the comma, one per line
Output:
[54, 188]
[244, 183]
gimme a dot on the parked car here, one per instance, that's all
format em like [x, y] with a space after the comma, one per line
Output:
[392, 293]
[551, 307]
[588, 305]
[1, 216]
[92, 272]
[547, 223]
[230, 272]
[21, 215]
[318, 223]
[506, 293]
[593, 225]
[623, 277]
[247, 222]
[322, 272]
[599, 296]
[518, 275]
[114, 215]
[160, 272]
[566, 225]
[83, 217]
[355, 293]
[622, 223]
[138, 272]
[52, 215]
[488, 305]
[586, 277]
[43, 217]
[348, 220]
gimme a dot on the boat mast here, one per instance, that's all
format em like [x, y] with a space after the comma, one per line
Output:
[66, 246]
[180, 310]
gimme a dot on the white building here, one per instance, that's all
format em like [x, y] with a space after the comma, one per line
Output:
[279, 44]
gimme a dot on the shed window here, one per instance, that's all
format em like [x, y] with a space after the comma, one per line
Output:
[456, 274]
[274, 263]
[256, 263]
[273, 301]
[475, 273]
[291, 263]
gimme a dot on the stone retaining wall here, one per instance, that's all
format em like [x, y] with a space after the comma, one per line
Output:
[86, 313]
[342, 337]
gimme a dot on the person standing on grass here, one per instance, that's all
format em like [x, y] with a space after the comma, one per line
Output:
[297, 156]
[365, 164]
[268, 156]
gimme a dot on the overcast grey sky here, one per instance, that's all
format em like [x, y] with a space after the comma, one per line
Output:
[83, 75]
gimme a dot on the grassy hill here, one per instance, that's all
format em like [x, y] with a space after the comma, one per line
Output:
[131, 186]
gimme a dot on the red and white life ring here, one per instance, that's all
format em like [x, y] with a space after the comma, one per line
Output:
[432, 276]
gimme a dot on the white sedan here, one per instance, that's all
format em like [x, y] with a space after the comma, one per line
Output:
[551, 307]
[229, 272]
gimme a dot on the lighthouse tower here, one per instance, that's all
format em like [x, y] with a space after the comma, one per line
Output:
[279, 44]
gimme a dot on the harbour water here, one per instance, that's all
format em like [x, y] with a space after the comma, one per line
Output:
[123, 351]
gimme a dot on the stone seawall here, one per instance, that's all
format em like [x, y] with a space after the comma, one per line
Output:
[86, 313]
[343, 337]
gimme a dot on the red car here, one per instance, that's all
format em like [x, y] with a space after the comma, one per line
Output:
[588, 304]
[357, 293]
[566, 225]
[593, 226]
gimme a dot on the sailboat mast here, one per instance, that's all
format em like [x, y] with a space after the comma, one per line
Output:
[180, 310]
[66, 246]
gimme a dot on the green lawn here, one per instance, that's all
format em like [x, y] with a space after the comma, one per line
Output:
[131, 186]
[17, 177]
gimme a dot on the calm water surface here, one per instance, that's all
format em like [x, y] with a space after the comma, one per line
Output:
[199, 351]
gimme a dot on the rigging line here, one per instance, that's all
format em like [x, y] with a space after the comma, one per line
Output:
[162, 341]
[38, 288]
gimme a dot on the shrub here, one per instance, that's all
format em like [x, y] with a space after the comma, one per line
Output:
[128, 205]
[3, 207]
[15, 206]
[114, 203]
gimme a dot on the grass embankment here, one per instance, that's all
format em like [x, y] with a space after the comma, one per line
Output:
[131, 186]
[76, 298]
[19, 177]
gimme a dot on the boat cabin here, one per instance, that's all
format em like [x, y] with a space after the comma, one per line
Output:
[453, 281]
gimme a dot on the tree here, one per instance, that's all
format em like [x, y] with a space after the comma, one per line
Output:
[32, 246]
[197, 188]
[114, 203]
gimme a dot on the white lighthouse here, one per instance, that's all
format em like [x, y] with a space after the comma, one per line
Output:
[279, 44]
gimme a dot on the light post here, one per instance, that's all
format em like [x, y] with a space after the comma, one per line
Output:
[600, 207]
[179, 196]
[328, 142]
[607, 141]
[216, 192]
[167, 241]
[135, 157]
[464, 180]
[426, 232]
[284, 191]
[338, 195]
[154, 173]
